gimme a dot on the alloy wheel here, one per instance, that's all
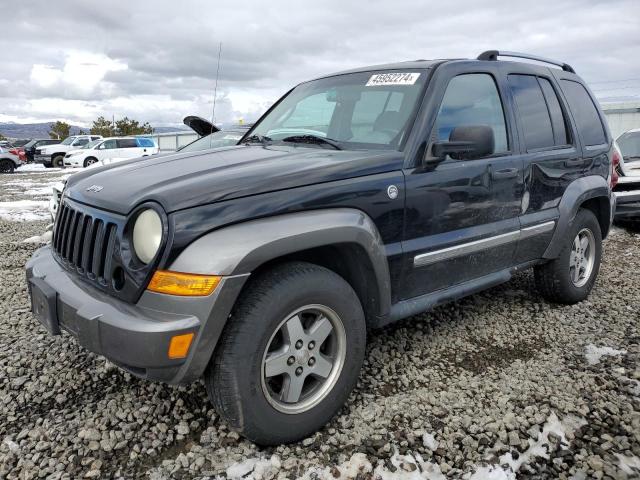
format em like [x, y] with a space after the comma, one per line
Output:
[303, 359]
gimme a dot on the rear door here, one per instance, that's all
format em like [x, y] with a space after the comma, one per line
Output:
[128, 148]
[461, 218]
[550, 151]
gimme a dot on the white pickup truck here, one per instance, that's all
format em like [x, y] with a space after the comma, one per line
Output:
[53, 155]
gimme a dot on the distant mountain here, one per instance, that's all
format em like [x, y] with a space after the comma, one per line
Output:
[32, 130]
[41, 130]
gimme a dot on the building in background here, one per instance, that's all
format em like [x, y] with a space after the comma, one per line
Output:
[622, 116]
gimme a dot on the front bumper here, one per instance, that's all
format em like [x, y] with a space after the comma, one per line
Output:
[134, 337]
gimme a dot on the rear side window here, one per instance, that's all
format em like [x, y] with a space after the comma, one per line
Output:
[533, 112]
[558, 121]
[148, 143]
[127, 143]
[584, 113]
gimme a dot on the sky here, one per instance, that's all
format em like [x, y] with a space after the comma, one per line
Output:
[156, 61]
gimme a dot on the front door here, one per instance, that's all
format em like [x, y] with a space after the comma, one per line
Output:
[462, 215]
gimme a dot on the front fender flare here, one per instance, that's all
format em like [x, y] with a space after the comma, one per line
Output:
[241, 248]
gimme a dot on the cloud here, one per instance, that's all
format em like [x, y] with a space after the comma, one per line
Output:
[156, 61]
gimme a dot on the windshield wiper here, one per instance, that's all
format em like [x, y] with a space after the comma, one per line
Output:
[312, 139]
[263, 139]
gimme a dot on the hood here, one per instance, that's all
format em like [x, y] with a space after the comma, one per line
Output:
[186, 180]
[199, 125]
[51, 146]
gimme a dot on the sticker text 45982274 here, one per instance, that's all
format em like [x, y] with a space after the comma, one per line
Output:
[395, 78]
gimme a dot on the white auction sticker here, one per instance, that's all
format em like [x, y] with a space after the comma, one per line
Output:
[379, 79]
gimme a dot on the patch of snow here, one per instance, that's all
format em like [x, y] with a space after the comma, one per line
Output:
[44, 238]
[257, 467]
[491, 473]
[408, 467]
[593, 354]
[24, 210]
[509, 466]
[36, 167]
[429, 441]
[629, 465]
[38, 192]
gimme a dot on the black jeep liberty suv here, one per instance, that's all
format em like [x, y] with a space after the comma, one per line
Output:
[358, 199]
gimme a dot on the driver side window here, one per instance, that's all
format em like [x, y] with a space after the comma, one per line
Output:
[473, 100]
[107, 144]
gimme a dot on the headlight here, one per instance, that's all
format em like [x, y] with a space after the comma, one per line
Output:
[147, 235]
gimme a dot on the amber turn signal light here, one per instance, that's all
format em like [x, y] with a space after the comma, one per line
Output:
[179, 345]
[186, 284]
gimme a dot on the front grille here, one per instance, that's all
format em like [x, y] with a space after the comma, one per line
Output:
[85, 243]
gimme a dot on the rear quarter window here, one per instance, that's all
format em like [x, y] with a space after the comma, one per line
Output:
[584, 112]
[145, 142]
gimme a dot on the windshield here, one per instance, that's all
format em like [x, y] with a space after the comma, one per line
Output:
[215, 140]
[629, 144]
[68, 141]
[91, 144]
[31, 144]
[356, 111]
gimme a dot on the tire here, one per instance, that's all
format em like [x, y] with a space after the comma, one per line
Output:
[558, 280]
[7, 166]
[89, 161]
[58, 161]
[236, 380]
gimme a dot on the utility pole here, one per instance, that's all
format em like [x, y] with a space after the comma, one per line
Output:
[215, 89]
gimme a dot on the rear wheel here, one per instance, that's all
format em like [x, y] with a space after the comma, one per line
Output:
[290, 354]
[58, 161]
[570, 277]
[90, 161]
[7, 166]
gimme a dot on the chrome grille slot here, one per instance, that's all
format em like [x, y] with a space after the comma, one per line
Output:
[84, 243]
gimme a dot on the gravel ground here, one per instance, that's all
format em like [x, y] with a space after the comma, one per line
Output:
[499, 385]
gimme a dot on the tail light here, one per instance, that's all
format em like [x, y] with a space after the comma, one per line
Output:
[615, 164]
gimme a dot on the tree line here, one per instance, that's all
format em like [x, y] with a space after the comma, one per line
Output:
[106, 128]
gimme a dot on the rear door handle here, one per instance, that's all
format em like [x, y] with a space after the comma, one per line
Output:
[504, 173]
[575, 162]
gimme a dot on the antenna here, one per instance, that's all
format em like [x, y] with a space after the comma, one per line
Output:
[215, 90]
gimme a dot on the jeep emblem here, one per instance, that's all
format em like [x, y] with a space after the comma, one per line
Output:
[94, 188]
[392, 191]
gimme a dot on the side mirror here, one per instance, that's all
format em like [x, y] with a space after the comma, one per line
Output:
[466, 143]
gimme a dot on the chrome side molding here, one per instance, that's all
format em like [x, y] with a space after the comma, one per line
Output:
[483, 244]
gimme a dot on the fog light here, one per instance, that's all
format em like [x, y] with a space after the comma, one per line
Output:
[179, 345]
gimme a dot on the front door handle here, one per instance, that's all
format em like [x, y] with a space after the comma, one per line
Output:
[504, 173]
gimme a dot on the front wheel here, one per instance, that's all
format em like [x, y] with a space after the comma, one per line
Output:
[290, 354]
[90, 161]
[7, 166]
[58, 161]
[570, 277]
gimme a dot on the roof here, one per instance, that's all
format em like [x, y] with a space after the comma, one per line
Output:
[412, 64]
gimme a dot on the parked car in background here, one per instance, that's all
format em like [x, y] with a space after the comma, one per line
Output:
[5, 144]
[30, 148]
[53, 155]
[627, 191]
[221, 138]
[629, 145]
[21, 142]
[8, 161]
[359, 199]
[114, 147]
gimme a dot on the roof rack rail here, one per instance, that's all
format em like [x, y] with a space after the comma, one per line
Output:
[494, 54]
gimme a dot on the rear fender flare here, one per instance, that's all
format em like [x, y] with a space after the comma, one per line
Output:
[578, 192]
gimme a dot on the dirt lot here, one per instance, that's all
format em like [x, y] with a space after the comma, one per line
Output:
[500, 385]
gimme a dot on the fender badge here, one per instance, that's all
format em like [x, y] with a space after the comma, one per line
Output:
[94, 188]
[392, 191]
